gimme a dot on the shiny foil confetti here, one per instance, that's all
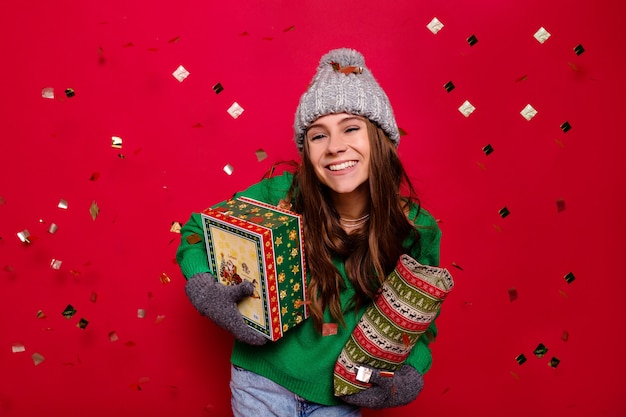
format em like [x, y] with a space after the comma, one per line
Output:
[165, 279]
[62, 204]
[69, 92]
[116, 142]
[53, 228]
[472, 40]
[578, 49]
[467, 108]
[449, 86]
[565, 127]
[175, 228]
[18, 348]
[569, 277]
[24, 236]
[260, 154]
[113, 337]
[40, 314]
[329, 329]
[159, 319]
[55, 264]
[141, 313]
[435, 25]
[48, 93]
[69, 312]
[554, 362]
[94, 210]
[228, 168]
[218, 88]
[528, 112]
[504, 212]
[38, 358]
[540, 350]
[82, 323]
[520, 359]
[235, 110]
[454, 264]
[512, 294]
[560, 205]
[542, 35]
[181, 73]
[487, 149]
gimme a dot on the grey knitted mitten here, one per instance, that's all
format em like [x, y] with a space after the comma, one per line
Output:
[401, 389]
[219, 303]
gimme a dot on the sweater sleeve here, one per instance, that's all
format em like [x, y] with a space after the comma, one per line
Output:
[430, 236]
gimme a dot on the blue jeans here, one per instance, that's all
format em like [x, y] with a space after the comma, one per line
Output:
[254, 395]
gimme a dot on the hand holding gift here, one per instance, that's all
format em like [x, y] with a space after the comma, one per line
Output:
[408, 302]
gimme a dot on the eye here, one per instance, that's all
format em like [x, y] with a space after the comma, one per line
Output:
[352, 129]
[316, 136]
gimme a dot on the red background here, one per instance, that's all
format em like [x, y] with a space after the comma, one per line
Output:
[119, 58]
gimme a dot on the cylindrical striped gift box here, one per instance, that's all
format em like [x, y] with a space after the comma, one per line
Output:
[408, 302]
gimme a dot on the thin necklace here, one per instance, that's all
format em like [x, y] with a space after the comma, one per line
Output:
[354, 223]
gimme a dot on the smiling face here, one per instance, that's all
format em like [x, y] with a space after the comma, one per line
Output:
[339, 149]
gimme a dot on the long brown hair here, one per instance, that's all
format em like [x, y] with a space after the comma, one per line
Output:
[371, 252]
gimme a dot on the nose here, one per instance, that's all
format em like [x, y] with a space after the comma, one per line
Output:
[336, 144]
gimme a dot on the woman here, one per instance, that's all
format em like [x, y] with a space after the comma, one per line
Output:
[356, 225]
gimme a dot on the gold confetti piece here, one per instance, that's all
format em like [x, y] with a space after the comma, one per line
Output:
[520, 358]
[235, 110]
[540, 350]
[512, 294]
[2, 202]
[116, 142]
[329, 329]
[38, 358]
[498, 228]
[565, 336]
[565, 127]
[514, 375]
[554, 362]
[449, 86]
[522, 78]
[55, 264]
[504, 212]
[218, 88]
[69, 311]
[569, 277]
[141, 313]
[41, 315]
[487, 149]
[47, 92]
[578, 49]
[194, 238]
[113, 337]
[542, 35]
[558, 142]
[94, 210]
[435, 25]
[53, 228]
[24, 236]
[18, 348]
[260, 154]
[472, 40]
[175, 228]
[159, 319]
[467, 108]
[481, 165]
[181, 73]
[454, 264]
[82, 323]
[563, 294]
[528, 112]
[69, 92]
[176, 39]
[560, 205]
[93, 297]
[62, 204]
[228, 168]
[289, 29]
[165, 279]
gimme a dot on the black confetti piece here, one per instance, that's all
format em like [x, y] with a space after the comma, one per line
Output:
[218, 88]
[487, 149]
[512, 294]
[82, 323]
[540, 350]
[560, 205]
[69, 92]
[449, 86]
[472, 40]
[520, 359]
[504, 212]
[565, 127]
[69, 311]
[579, 49]
[554, 362]
[569, 277]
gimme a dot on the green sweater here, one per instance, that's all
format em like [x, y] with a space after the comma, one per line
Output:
[303, 360]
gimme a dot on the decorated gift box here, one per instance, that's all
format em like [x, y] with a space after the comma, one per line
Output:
[251, 240]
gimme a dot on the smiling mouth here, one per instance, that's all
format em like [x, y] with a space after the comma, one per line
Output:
[341, 166]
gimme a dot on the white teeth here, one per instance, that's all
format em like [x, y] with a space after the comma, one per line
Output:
[341, 166]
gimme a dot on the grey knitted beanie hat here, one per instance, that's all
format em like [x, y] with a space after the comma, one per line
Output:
[343, 84]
